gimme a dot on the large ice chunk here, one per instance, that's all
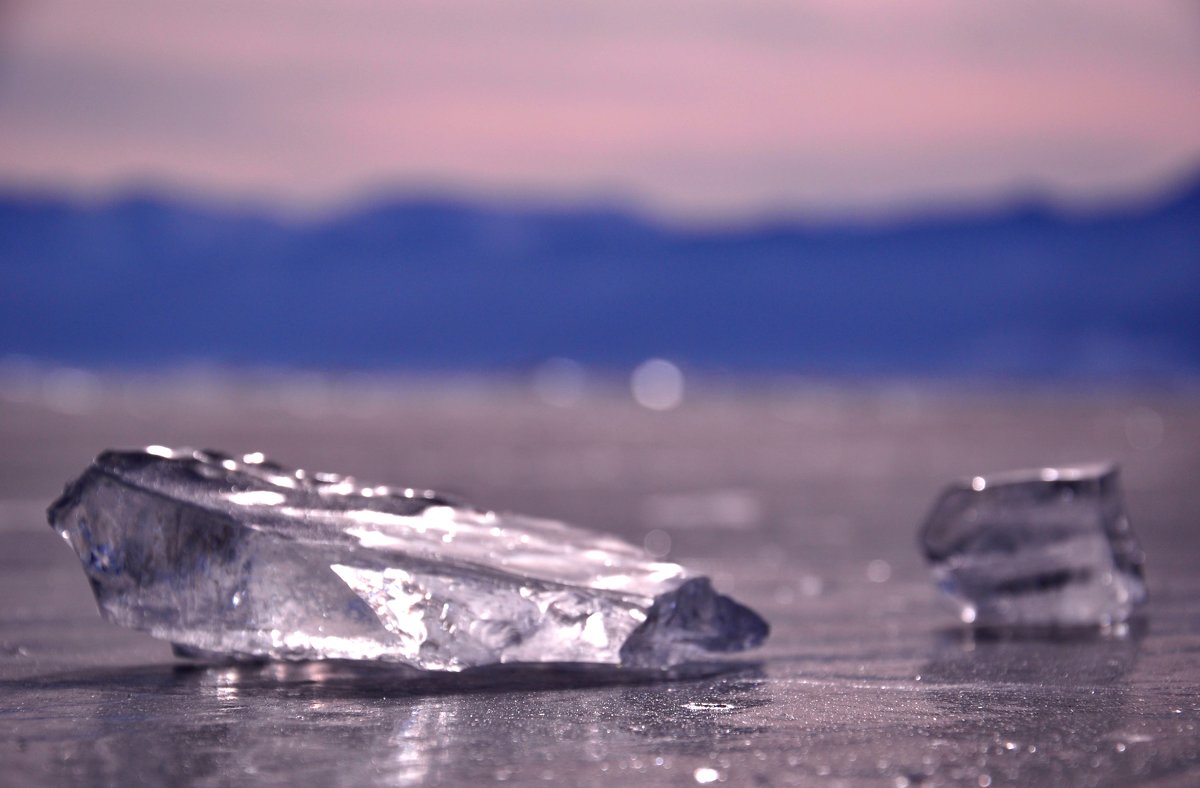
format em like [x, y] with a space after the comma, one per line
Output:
[242, 558]
[1044, 548]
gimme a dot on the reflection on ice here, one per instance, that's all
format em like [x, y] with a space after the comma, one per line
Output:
[354, 723]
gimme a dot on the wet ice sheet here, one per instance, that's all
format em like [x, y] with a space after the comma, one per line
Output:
[866, 679]
[843, 696]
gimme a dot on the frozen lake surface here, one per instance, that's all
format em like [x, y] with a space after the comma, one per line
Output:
[801, 499]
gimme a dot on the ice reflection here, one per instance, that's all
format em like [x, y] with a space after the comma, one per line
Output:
[415, 740]
[1045, 704]
[347, 724]
[1085, 658]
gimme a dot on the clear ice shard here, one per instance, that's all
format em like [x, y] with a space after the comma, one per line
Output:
[1049, 548]
[242, 558]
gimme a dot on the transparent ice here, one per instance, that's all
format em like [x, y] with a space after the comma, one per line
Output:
[242, 558]
[1044, 548]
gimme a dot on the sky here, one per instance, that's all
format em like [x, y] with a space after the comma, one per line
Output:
[691, 108]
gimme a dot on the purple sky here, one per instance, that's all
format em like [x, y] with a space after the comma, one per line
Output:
[695, 108]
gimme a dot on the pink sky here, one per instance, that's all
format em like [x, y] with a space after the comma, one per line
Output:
[693, 108]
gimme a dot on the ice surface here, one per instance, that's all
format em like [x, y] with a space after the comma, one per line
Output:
[242, 558]
[1049, 547]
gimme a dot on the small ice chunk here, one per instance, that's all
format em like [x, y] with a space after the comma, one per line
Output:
[1043, 548]
[242, 558]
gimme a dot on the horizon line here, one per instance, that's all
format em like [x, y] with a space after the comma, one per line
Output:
[1164, 191]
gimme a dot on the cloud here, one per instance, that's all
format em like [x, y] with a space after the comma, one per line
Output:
[695, 106]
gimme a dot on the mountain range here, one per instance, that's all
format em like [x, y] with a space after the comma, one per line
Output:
[425, 284]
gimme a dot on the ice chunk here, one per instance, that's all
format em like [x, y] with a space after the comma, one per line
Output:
[1044, 548]
[242, 558]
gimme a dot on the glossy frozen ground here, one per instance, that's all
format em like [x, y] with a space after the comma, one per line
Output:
[801, 500]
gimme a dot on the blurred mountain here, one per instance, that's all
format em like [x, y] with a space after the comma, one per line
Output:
[426, 284]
